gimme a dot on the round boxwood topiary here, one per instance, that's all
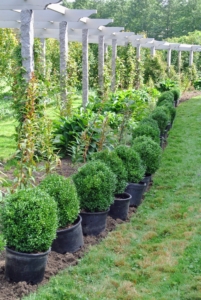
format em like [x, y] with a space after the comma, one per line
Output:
[29, 220]
[172, 109]
[95, 183]
[168, 96]
[162, 118]
[132, 163]
[150, 122]
[112, 160]
[64, 192]
[149, 151]
[176, 93]
[148, 130]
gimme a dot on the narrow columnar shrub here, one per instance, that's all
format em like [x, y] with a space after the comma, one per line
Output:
[148, 130]
[29, 220]
[149, 151]
[64, 192]
[95, 183]
[161, 116]
[132, 163]
[111, 159]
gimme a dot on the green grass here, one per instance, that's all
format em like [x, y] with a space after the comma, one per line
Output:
[157, 255]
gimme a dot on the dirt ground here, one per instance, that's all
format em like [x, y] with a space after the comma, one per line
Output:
[188, 95]
[57, 262]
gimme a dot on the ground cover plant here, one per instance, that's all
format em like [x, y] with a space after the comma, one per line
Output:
[157, 254]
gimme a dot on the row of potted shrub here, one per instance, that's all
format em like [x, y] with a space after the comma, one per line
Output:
[35, 219]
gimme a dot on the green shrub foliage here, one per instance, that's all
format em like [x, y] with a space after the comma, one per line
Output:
[149, 151]
[171, 109]
[176, 93]
[95, 183]
[148, 130]
[64, 192]
[111, 159]
[149, 121]
[29, 220]
[161, 116]
[168, 96]
[132, 163]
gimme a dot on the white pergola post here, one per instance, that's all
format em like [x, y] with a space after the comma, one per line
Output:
[27, 41]
[169, 59]
[105, 52]
[138, 48]
[114, 56]
[43, 53]
[101, 62]
[179, 61]
[191, 58]
[63, 38]
[85, 67]
[153, 51]
[105, 49]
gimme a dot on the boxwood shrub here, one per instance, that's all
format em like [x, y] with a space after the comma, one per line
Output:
[29, 220]
[168, 96]
[148, 130]
[176, 93]
[149, 151]
[151, 122]
[111, 159]
[171, 109]
[132, 163]
[162, 118]
[64, 192]
[95, 183]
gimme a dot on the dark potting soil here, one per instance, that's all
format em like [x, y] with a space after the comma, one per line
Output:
[56, 262]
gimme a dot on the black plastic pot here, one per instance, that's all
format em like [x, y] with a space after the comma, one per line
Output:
[136, 191]
[147, 179]
[168, 127]
[93, 223]
[24, 266]
[119, 209]
[69, 239]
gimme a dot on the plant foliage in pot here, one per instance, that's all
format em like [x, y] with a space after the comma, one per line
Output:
[114, 162]
[69, 233]
[148, 130]
[162, 118]
[149, 151]
[118, 209]
[29, 223]
[136, 171]
[172, 110]
[95, 183]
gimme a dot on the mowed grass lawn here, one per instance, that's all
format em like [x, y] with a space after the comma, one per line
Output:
[157, 255]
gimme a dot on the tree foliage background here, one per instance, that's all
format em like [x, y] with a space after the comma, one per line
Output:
[159, 19]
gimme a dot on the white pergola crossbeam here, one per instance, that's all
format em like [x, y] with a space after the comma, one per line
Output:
[92, 24]
[71, 15]
[25, 4]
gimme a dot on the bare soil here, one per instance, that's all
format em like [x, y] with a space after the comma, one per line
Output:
[189, 94]
[58, 262]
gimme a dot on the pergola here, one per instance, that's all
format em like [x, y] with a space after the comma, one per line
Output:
[42, 19]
